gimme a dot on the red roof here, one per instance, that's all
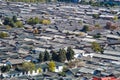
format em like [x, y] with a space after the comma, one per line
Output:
[104, 78]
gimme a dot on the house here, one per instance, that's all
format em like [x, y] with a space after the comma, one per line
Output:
[23, 51]
[110, 36]
[89, 40]
[50, 74]
[59, 67]
[111, 52]
[45, 68]
[107, 16]
[72, 72]
[51, 30]
[86, 70]
[14, 73]
[104, 78]
[14, 62]
[38, 50]
[69, 73]
[78, 53]
[109, 57]
[1, 22]
[30, 58]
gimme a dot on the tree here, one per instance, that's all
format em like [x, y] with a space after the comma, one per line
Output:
[54, 55]
[41, 57]
[95, 16]
[46, 56]
[5, 68]
[62, 55]
[70, 54]
[96, 47]
[39, 70]
[12, 22]
[19, 24]
[30, 21]
[97, 35]
[63, 74]
[14, 18]
[85, 28]
[115, 18]
[8, 27]
[52, 66]
[3, 34]
[97, 25]
[46, 22]
[7, 21]
[36, 20]
[33, 21]
[28, 66]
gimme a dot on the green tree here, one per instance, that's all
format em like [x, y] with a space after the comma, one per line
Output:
[46, 56]
[30, 21]
[28, 66]
[97, 25]
[96, 47]
[97, 36]
[12, 24]
[95, 16]
[36, 20]
[70, 54]
[91, 2]
[41, 57]
[54, 55]
[7, 21]
[33, 21]
[63, 74]
[5, 68]
[19, 24]
[51, 66]
[62, 55]
[85, 28]
[14, 18]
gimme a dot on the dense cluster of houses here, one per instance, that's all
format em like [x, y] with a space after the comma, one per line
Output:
[67, 22]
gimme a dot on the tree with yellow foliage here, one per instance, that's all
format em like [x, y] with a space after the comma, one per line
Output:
[46, 22]
[51, 66]
[39, 70]
[3, 34]
[115, 18]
